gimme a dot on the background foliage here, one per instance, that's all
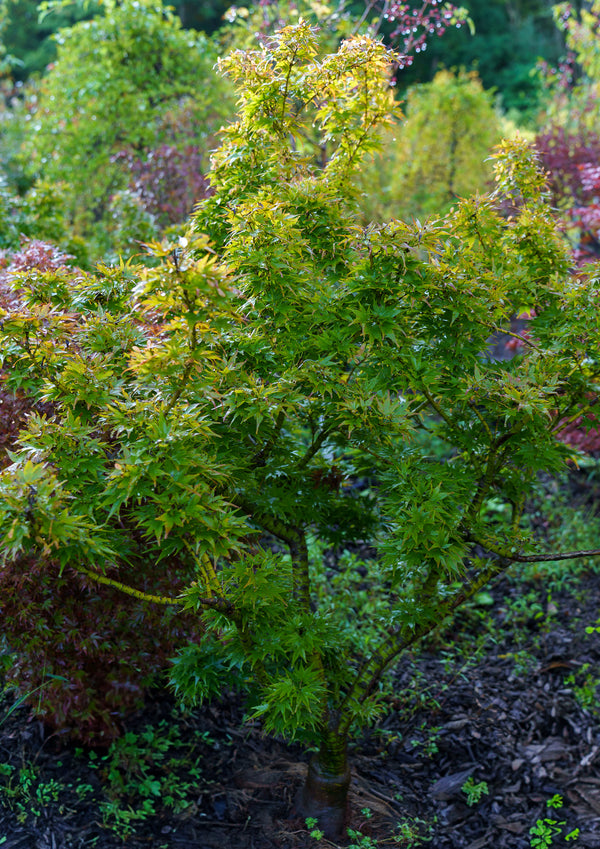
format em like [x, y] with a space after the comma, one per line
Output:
[123, 83]
[438, 152]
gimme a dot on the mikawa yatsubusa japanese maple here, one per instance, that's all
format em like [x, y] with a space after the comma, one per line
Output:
[272, 384]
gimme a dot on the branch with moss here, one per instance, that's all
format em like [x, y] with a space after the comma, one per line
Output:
[403, 637]
[300, 576]
[267, 522]
[213, 603]
[520, 557]
[484, 486]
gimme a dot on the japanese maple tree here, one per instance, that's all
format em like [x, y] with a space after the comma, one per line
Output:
[219, 408]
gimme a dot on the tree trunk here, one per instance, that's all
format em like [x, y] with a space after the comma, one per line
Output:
[325, 792]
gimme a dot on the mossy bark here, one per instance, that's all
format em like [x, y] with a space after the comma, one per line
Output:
[325, 792]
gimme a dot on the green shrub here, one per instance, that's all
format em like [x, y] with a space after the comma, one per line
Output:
[130, 79]
[267, 381]
[438, 153]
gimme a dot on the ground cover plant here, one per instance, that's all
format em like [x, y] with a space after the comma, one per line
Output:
[273, 384]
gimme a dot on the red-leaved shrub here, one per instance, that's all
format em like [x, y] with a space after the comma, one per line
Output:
[84, 651]
[571, 158]
[105, 647]
[168, 180]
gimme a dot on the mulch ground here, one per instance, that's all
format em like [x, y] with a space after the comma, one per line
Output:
[512, 702]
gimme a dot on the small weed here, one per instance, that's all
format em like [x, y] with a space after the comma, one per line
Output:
[122, 819]
[25, 793]
[313, 830]
[419, 694]
[385, 738]
[367, 813]
[83, 790]
[524, 663]
[146, 772]
[360, 840]
[544, 832]
[413, 833]
[526, 607]
[410, 834]
[428, 744]
[474, 791]
[584, 692]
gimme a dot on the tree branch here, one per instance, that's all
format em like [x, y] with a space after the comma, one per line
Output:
[401, 638]
[286, 533]
[102, 579]
[260, 457]
[518, 557]
[219, 604]
[437, 408]
[313, 448]
[299, 554]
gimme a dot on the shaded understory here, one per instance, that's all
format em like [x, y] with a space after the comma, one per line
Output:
[513, 704]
